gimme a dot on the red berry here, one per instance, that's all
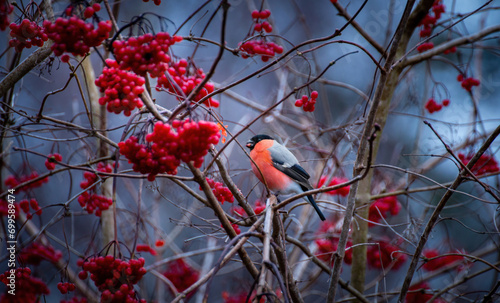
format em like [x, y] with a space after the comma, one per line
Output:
[89, 12]
[181, 274]
[425, 47]
[255, 14]
[265, 14]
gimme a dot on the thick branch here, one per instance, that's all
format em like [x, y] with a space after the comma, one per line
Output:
[25, 67]
[362, 151]
[456, 42]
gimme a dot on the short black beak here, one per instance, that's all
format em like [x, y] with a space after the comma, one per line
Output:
[250, 144]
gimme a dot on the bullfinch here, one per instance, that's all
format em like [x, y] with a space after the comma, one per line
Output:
[280, 169]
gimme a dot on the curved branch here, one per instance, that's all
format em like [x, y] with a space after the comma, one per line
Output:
[442, 47]
[25, 67]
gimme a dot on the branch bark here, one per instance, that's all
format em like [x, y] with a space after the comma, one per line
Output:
[377, 114]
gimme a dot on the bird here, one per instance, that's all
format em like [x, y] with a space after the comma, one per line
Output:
[281, 171]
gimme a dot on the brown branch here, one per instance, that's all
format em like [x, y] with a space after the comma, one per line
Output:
[25, 67]
[279, 235]
[397, 43]
[447, 45]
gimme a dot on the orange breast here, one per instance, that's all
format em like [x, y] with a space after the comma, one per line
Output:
[275, 180]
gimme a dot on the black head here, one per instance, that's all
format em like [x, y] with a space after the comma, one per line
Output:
[256, 139]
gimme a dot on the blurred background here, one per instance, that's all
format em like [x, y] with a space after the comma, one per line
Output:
[325, 141]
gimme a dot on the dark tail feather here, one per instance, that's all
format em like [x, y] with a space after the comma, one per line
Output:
[316, 208]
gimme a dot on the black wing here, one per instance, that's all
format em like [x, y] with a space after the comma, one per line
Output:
[296, 172]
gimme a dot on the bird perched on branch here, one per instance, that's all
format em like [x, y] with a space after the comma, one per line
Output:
[280, 169]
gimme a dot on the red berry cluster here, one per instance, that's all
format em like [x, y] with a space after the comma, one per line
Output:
[181, 275]
[468, 83]
[186, 80]
[450, 50]
[429, 21]
[145, 248]
[195, 139]
[94, 202]
[12, 181]
[425, 47]
[91, 10]
[157, 2]
[221, 192]
[432, 106]
[258, 208]
[159, 243]
[75, 300]
[385, 255]
[236, 228]
[167, 147]
[25, 206]
[343, 191]
[7, 210]
[75, 36]
[386, 206]
[50, 163]
[484, 165]
[91, 178]
[421, 292]
[29, 289]
[261, 26]
[241, 297]
[437, 262]
[89, 199]
[327, 247]
[146, 53]
[154, 159]
[115, 278]
[259, 46]
[121, 89]
[328, 242]
[307, 104]
[64, 287]
[5, 10]
[37, 252]
[26, 34]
